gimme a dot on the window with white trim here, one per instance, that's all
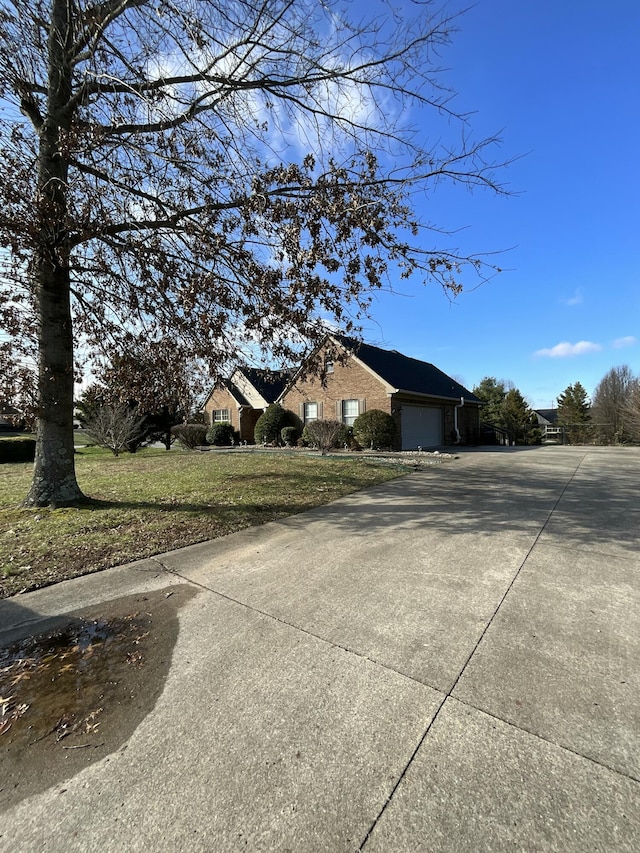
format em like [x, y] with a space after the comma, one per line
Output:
[310, 412]
[221, 416]
[350, 411]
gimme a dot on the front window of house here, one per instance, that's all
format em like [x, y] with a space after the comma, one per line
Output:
[310, 412]
[350, 411]
[221, 416]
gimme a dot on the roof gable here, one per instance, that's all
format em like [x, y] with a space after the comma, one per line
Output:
[268, 383]
[252, 387]
[407, 374]
[235, 392]
[549, 415]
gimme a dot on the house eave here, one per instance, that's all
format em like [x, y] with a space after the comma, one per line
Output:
[388, 388]
[220, 386]
[257, 396]
[409, 393]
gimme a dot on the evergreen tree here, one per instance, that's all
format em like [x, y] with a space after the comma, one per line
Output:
[516, 416]
[574, 414]
[493, 392]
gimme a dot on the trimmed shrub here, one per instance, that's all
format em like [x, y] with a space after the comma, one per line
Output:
[375, 429]
[345, 438]
[221, 434]
[272, 421]
[17, 449]
[190, 436]
[289, 435]
[305, 439]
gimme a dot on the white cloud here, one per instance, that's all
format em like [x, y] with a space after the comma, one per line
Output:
[565, 349]
[628, 341]
[576, 299]
[339, 110]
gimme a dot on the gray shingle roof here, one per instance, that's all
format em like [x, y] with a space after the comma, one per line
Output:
[269, 383]
[235, 392]
[407, 374]
[550, 415]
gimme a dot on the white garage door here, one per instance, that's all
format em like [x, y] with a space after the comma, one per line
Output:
[421, 427]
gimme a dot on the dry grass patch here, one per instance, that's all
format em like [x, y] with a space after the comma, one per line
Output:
[156, 501]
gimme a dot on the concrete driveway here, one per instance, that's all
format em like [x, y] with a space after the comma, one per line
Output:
[448, 662]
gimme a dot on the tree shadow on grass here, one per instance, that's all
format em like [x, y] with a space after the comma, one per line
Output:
[198, 508]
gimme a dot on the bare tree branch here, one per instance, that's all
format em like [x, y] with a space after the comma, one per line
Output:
[227, 174]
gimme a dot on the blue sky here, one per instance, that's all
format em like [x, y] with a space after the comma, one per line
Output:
[561, 80]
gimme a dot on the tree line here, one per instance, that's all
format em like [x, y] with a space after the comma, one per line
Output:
[611, 416]
[507, 412]
[141, 391]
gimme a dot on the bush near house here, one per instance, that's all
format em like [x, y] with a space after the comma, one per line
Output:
[221, 434]
[340, 437]
[375, 429]
[324, 435]
[272, 421]
[289, 435]
[347, 439]
[190, 436]
[17, 449]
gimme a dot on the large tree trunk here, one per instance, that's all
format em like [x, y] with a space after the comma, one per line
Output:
[54, 478]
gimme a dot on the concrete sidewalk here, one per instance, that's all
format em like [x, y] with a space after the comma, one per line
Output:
[448, 662]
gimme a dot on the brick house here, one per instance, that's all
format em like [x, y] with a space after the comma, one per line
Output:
[429, 407]
[241, 399]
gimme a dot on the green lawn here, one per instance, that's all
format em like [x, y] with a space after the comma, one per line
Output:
[155, 501]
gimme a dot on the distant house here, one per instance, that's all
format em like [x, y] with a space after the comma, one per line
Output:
[241, 399]
[430, 408]
[548, 422]
[9, 417]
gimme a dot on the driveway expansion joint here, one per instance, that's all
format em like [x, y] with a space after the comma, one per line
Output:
[306, 631]
[472, 653]
[163, 568]
[544, 739]
[269, 778]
